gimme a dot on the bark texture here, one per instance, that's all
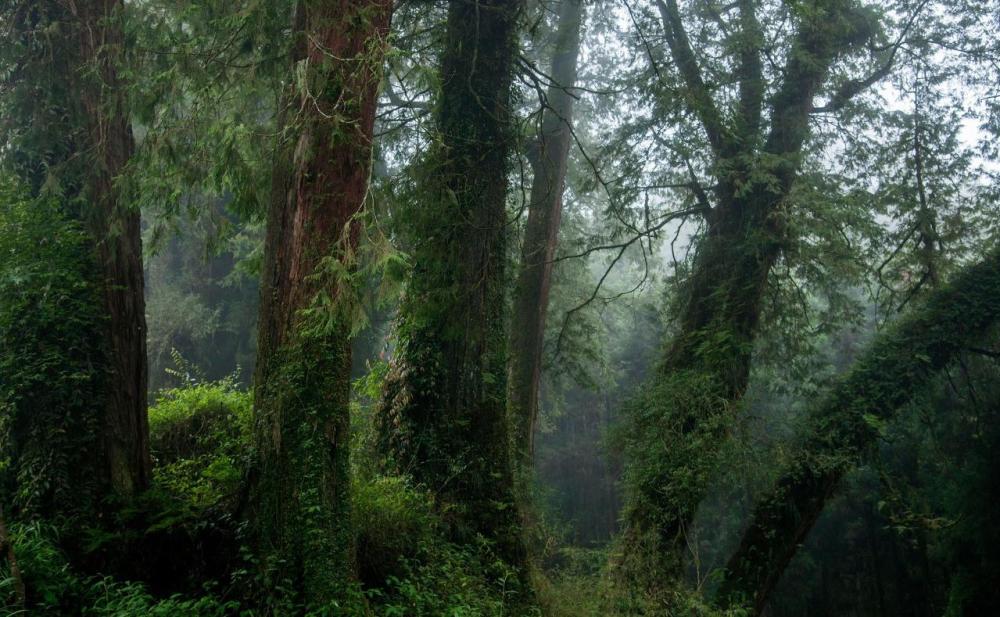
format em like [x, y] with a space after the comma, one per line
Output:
[116, 230]
[845, 424]
[300, 504]
[443, 418]
[548, 157]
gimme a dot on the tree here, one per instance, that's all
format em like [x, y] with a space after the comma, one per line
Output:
[300, 504]
[70, 138]
[548, 157]
[443, 416]
[681, 420]
[846, 424]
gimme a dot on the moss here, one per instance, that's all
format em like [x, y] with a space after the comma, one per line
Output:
[302, 488]
[673, 435]
[53, 363]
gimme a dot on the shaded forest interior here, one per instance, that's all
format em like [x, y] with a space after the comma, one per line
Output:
[483, 308]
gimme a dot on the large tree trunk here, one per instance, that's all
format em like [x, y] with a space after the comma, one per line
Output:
[443, 417]
[115, 227]
[73, 142]
[681, 420]
[548, 157]
[845, 425]
[300, 504]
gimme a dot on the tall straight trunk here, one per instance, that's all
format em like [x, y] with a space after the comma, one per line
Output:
[548, 157]
[443, 416]
[115, 227]
[74, 141]
[845, 424]
[680, 422]
[300, 505]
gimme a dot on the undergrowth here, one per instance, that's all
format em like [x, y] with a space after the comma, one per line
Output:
[188, 522]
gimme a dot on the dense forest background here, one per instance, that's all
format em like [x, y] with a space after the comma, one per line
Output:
[499, 307]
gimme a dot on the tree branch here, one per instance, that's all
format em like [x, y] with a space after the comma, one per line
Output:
[853, 87]
[699, 98]
[750, 72]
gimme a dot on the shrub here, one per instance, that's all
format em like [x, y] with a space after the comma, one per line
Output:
[54, 589]
[391, 520]
[113, 599]
[52, 360]
[409, 567]
[200, 441]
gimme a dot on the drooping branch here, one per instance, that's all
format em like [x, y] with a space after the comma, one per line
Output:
[844, 425]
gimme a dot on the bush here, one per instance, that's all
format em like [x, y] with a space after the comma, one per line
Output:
[54, 589]
[391, 520]
[52, 359]
[200, 439]
[51, 587]
[112, 599]
[409, 567]
[182, 532]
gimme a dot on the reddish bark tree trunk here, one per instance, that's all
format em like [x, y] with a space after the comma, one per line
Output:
[300, 486]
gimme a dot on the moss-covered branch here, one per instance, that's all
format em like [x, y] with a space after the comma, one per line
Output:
[846, 423]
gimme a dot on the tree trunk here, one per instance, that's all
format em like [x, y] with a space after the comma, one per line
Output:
[680, 422]
[300, 504]
[74, 142]
[548, 157]
[846, 424]
[116, 230]
[443, 416]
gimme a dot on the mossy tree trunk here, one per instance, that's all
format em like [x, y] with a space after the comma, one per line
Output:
[443, 418]
[300, 508]
[70, 138]
[548, 157]
[681, 420]
[846, 424]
